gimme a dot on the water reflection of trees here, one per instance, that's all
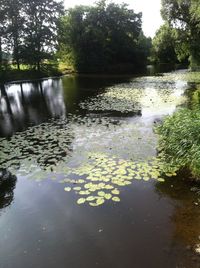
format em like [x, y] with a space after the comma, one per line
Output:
[7, 186]
[26, 104]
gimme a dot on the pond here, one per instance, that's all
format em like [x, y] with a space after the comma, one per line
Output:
[85, 188]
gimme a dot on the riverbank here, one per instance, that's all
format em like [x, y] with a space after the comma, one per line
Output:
[178, 135]
[17, 75]
[11, 74]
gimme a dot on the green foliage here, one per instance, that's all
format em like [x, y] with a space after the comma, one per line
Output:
[41, 30]
[179, 141]
[28, 30]
[104, 35]
[163, 50]
[185, 17]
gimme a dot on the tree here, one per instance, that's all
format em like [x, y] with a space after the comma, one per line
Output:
[144, 48]
[3, 18]
[101, 36]
[163, 50]
[184, 15]
[40, 31]
[15, 27]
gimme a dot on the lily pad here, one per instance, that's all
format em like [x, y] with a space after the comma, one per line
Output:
[81, 201]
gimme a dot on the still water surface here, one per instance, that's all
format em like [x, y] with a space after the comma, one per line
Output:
[73, 138]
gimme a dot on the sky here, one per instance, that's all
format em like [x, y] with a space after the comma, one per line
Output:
[150, 9]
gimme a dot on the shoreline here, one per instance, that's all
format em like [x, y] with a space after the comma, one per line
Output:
[27, 77]
[22, 76]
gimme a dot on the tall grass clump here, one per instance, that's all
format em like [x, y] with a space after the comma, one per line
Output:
[179, 141]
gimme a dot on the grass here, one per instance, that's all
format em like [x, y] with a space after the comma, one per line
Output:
[179, 141]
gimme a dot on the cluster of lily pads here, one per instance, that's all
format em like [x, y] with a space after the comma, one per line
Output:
[168, 79]
[103, 176]
[190, 77]
[132, 100]
[51, 145]
[44, 146]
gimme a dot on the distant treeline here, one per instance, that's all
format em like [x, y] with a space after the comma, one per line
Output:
[100, 38]
[178, 40]
[106, 37]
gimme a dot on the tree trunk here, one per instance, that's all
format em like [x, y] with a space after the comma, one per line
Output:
[38, 66]
[16, 53]
[1, 58]
[18, 64]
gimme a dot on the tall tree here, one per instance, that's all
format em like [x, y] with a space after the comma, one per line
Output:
[15, 27]
[184, 15]
[102, 35]
[3, 30]
[40, 33]
[163, 50]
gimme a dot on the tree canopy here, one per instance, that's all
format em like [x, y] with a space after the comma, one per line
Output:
[95, 38]
[163, 50]
[28, 29]
[184, 17]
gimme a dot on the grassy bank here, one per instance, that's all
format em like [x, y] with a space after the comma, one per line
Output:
[179, 139]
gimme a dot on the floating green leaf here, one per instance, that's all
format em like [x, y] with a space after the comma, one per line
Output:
[116, 199]
[81, 201]
[67, 189]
